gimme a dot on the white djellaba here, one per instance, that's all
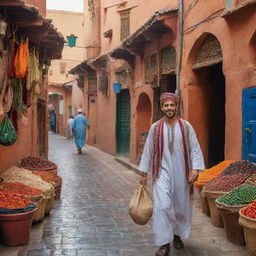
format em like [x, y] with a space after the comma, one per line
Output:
[172, 202]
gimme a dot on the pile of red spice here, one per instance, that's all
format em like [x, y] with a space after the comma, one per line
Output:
[250, 210]
[20, 188]
[37, 163]
[13, 201]
[47, 176]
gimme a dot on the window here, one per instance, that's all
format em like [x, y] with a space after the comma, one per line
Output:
[125, 25]
[92, 83]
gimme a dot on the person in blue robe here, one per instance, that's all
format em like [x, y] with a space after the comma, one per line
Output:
[79, 127]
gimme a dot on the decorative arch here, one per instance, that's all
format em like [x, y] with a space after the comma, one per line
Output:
[144, 112]
[56, 108]
[205, 52]
[252, 48]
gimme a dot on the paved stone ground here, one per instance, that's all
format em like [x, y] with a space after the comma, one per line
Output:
[91, 218]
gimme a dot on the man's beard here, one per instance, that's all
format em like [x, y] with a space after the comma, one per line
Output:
[171, 115]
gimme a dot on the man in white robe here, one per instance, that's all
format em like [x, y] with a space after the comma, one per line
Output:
[174, 155]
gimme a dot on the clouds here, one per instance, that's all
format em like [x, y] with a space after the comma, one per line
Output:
[66, 5]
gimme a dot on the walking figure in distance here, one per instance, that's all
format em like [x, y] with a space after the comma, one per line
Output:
[79, 128]
[70, 127]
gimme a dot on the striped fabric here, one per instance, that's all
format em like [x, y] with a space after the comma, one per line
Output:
[159, 145]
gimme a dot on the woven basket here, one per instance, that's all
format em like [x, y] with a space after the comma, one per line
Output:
[216, 217]
[40, 212]
[49, 202]
[230, 215]
[204, 201]
[57, 189]
[249, 226]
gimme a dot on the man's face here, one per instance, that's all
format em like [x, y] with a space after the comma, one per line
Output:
[169, 108]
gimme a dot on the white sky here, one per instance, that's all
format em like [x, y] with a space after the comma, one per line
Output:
[66, 5]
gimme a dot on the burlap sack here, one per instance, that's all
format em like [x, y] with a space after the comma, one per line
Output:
[141, 206]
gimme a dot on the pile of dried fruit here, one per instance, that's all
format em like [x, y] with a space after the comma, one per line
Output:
[250, 210]
[241, 195]
[225, 183]
[209, 174]
[47, 176]
[13, 201]
[243, 166]
[37, 163]
[19, 188]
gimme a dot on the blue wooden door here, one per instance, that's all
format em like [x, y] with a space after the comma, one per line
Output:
[249, 124]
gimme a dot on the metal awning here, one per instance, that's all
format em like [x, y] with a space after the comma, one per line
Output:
[80, 68]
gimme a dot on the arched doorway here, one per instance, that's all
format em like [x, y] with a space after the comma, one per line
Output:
[56, 111]
[207, 67]
[143, 122]
[252, 47]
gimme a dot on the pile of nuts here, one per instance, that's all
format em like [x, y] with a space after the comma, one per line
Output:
[37, 163]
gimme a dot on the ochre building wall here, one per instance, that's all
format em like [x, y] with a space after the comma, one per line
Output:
[234, 34]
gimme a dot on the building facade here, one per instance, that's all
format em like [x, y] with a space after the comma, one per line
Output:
[63, 88]
[203, 50]
[29, 114]
[218, 68]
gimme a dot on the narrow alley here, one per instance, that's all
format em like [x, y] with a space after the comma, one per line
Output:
[91, 218]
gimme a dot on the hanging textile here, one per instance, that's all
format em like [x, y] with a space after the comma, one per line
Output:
[33, 70]
[18, 104]
[3, 78]
[21, 60]
[8, 96]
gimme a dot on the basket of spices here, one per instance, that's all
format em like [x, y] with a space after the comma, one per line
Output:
[52, 178]
[230, 205]
[247, 219]
[204, 177]
[49, 195]
[16, 215]
[26, 177]
[242, 166]
[38, 163]
[34, 194]
[218, 187]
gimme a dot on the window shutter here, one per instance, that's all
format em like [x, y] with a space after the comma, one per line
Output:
[125, 25]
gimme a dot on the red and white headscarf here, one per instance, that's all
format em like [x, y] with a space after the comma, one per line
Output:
[169, 96]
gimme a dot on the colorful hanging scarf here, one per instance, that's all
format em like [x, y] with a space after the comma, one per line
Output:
[159, 146]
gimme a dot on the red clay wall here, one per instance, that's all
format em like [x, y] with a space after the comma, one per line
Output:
[234, 34]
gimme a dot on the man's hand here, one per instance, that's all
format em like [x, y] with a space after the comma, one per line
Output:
[193, 176]
[143, 180]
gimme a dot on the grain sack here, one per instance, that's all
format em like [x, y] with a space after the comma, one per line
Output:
[141, 206]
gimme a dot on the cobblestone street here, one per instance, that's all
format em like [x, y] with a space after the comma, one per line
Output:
[91, 218]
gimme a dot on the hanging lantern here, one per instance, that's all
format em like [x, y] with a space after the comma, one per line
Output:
[117, 87]
[3, 27]
[71, 40]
